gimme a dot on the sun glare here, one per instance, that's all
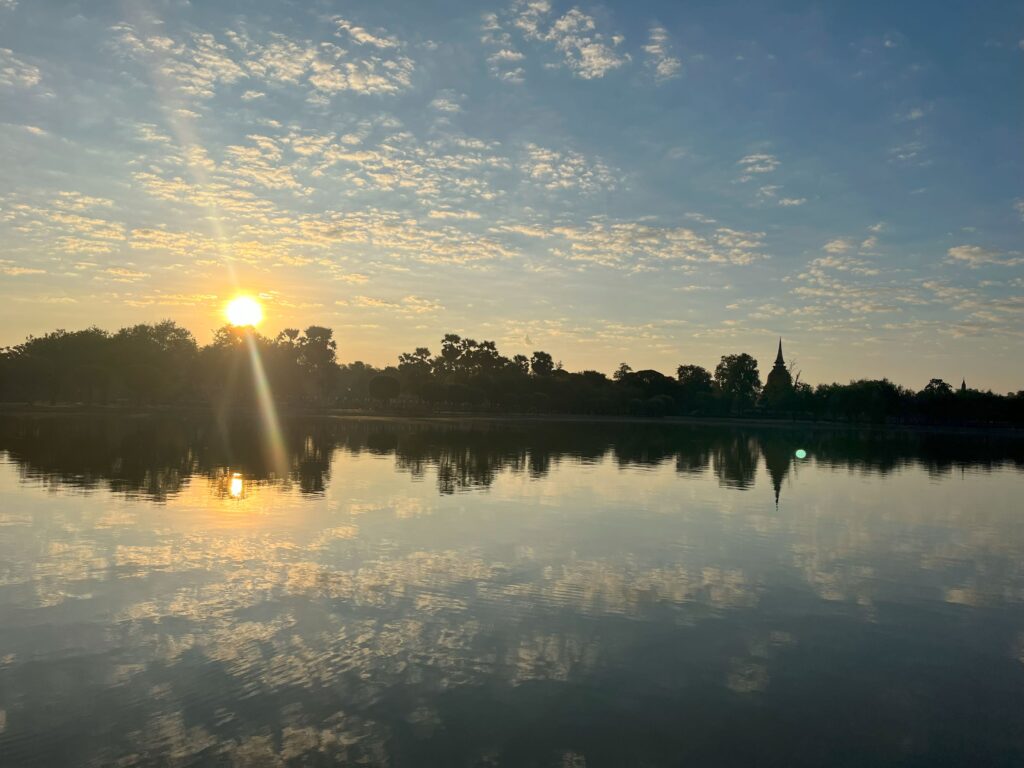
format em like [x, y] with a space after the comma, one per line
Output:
[244, 310]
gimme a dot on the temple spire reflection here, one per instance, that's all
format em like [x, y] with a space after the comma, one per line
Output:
[777, 459]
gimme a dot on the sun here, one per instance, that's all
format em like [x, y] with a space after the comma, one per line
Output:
[244, 310]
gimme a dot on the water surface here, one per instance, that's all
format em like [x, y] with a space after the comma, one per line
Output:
[417, 594]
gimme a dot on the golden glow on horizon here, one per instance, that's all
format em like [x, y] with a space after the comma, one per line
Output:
[244, 310]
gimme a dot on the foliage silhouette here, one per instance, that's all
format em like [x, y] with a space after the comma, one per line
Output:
[384, 388]
[161, 364]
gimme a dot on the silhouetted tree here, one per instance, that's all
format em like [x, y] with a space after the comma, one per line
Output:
[542, 364]
[317, 359]
[738, 380]
[622, 371]
[521, 363]
[155, 361]
[384, 388]
[937, 388]
[695, 387]
[415, 362]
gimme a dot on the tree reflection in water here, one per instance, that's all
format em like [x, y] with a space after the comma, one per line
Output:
[154, 456]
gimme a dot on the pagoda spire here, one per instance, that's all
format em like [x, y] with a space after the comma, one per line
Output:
[778, 358]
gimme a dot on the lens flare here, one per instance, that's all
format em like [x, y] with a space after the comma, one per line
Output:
[801, 453]
[244, 311]
[272, 436]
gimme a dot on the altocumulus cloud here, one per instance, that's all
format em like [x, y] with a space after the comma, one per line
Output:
[200, 62]
[574, 36]
[659, 55]
[976, 256]
[17, 73]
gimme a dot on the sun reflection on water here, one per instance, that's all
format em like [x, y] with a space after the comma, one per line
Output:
[236, 486]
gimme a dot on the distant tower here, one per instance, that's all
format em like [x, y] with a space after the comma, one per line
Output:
[963, 385]
[780, 364]
[779, 383]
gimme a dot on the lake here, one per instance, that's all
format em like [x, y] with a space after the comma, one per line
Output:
[175, 591]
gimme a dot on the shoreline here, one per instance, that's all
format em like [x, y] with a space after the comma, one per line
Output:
[451, 417]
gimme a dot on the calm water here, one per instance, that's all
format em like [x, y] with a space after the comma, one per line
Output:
[419, 594]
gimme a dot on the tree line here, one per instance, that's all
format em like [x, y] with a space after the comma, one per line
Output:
[161, 364]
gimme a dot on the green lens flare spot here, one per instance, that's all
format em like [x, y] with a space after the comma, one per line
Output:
[801, 453]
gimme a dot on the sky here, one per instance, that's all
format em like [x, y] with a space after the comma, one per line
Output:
[652, 182]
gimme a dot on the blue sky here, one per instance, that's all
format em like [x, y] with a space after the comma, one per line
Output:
[652, 182]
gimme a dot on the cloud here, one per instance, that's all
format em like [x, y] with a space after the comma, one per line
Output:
[329, 69]
[68, 224]
[461, 215]
[909, 154]
[586, 52]
[438, 186]
[502, 64]
[566, 170]
[20, 271]
[757, 163]
[260, 163]
[659, 55]
[911, 115]
[362, 37]
[159, 298]
[452, 170]
[528, 15]
[17, 73]
[123, 274]
[839, 245]
[978, 314]
[845, 264]
[790, 202]
[855, 290]
[525, 230]
[196, 67]
[955, 294]
[409, 305]
[151, 134]
[43, 299]
[869, 244]
[976, 256]
[200, 63]
[355, 278]
[446, 101]
[1018, 206]
[700, 218]
[276, 234]
[632, 245]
